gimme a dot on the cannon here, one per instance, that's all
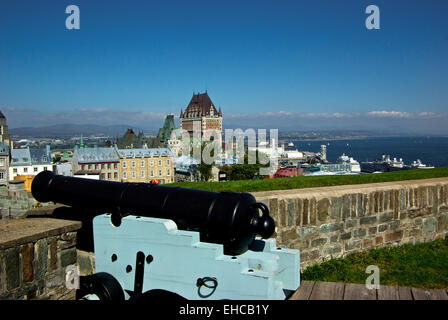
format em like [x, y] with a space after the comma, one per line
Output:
[153, 239]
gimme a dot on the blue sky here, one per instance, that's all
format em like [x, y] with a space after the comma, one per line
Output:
[138, 60]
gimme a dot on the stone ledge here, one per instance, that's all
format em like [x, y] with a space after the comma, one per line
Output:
[343, 189]
[17, 232]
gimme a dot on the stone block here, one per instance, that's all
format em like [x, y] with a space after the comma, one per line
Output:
[322, 207]
[12, 268]
[41, 252]
[351, 223]
[28, 262]
[378, 240]
[394, 225]
[394, 236]
[299, 244]
[309, 255]
[351, 245]
[346, 236]
[291, 212]
[361, 205]
[335, 207]
[385, 217]
[334, 238]
[305, 219]
[372, 231]
[53, 254]
[318, 242]
[359, 233]
[330, 227]
[382, 227]
[68, 257]
[312, 211]
[429, 225]
[333, 249]
[308, 232]
[346, 205]
[367, 220]
[288, 235]
[442, 224]
[367, 243]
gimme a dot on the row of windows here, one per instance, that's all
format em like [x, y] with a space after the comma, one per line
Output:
[109, 176]
[142, 174]
[25, 169]
[151, 163]
[98, 166]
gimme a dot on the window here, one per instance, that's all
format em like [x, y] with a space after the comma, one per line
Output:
[35, 169]
[25, 169]
[160, 173]
[96, 167]
[151, 163]
[115, 175]
[109, 175]
[14, 170]
[44, 159]
[1, 175]
[45, 168]
[167, 162]
[152, 173]
[90, 166]
[168, 172]
[103, 166]
[160, 163]
[83, 167]
[124, 164]
[115, 166]
[2, 162]
[142, 173]
[102, 176]
[124, 175]
[142, 163]
[133, 175]
[133, 164]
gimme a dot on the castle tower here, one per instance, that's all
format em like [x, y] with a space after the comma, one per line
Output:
[202, 112]
[4, 134]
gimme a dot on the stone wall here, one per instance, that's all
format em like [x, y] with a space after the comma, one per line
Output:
[331, 222]
[35, 255]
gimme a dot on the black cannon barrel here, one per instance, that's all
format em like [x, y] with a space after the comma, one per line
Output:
[228, 218]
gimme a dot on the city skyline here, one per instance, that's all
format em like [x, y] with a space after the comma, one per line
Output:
[293, 63]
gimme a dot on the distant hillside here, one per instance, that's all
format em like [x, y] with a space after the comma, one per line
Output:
[70, 130]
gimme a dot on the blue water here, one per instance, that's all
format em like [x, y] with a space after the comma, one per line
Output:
[430, 150]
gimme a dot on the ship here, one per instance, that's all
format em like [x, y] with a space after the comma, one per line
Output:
[386, 164]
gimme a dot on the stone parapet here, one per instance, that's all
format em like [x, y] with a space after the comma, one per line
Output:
[335, 221]
[35, 255]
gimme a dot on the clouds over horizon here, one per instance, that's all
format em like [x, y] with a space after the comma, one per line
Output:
[388, 121]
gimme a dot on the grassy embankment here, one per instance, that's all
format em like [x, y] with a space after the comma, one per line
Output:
[423, 265]
[316, 181]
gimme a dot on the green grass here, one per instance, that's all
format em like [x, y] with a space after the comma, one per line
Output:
[423, 265]
[316, 181]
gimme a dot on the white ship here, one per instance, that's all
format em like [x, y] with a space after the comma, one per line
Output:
[419, 165]
[354, 165]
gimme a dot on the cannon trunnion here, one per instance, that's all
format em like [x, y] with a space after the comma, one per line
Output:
[189, 243]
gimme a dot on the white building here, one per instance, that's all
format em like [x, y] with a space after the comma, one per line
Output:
[29, 161]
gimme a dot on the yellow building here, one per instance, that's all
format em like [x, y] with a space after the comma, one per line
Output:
[146, 165]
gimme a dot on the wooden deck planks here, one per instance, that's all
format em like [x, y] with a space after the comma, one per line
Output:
[311, 290]
[388, 293]
[304, 291]
[358, 292]
[328, 291]
[425, 294]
